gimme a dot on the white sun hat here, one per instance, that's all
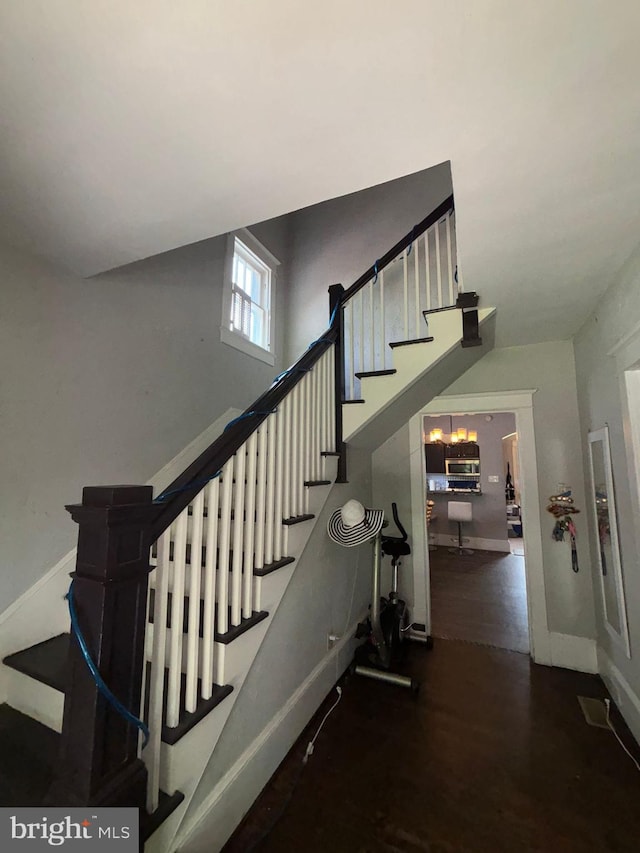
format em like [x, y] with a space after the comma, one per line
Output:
[353, 524]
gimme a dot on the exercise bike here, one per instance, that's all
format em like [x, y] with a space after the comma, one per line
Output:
[388, 623]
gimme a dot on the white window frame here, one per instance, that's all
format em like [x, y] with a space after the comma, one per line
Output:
[230, 336]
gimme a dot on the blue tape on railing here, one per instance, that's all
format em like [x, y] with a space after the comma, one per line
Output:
[375, 269]
[245, 415]
[413, 231]
[99, 681]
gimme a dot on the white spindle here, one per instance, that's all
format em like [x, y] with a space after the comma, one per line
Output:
[294, 470]
[238, 530]
[405, 279]
[416, 282]
[193, 626]
[287, 457]
[249, 526]
[210, 570]
[427, 268]
[177, 618]
[317, 415]
[452, 298]
[261, 495]
[332, 400]
[225, 541]
[438, 267]
[278, 552]
[360, 325]
[352, 350]
[271, 486]
[299, 482]
[383, 348]
[156, 687]
[372, 352]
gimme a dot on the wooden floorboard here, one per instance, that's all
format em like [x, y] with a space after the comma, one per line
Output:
[480, 598]
[494, 756]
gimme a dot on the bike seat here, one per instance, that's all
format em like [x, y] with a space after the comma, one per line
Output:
[395, 547]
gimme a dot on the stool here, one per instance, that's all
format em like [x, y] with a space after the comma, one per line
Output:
[459, 511]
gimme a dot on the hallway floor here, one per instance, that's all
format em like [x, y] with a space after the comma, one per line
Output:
[494, 756]
[480, 598]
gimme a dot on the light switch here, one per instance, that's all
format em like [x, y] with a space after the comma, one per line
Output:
[494, 478]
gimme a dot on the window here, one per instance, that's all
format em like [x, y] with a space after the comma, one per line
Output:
[249, 294]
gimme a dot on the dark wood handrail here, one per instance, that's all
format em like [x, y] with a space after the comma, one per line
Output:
[400, 246]
[189, 483]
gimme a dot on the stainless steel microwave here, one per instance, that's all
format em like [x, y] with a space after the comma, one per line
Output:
[455, 467]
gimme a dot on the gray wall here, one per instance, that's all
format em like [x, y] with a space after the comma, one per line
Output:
[550, 369]
[489, 508]
[104, 381]
[601, 400]
[336, 241]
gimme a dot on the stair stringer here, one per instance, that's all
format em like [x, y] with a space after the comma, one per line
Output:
[424, 370]
[183, 764]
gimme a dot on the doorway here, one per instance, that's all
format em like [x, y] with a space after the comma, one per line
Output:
[476, 565]
[520, 405]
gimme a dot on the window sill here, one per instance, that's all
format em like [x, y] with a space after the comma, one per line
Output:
[238, 342]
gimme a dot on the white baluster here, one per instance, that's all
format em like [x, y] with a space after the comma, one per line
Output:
[249, 527]
[383, 348]
[438, 266]
[177, 621]
[427, 267]
[193, 626]
[405, 271]
[238, 530]
[261, 495]
[372, 352]
[332, 400]
[271, 486]
[452, 298]
[351, 365]
[416, 280]
[278, 552]
[317, 418]
[156, 686]
[360, 325]
[294, 471]
[286, 425]
[210, 570]
[225, 542]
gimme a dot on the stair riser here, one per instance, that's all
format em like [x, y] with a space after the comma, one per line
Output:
[35, 699]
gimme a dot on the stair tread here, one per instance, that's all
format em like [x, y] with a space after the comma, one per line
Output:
[367, 374]
[350, 402]
[28, 756]
[438, 310]
[45, 662]
[395, 344]
[317, 482]
[297, 519]
[271, 567]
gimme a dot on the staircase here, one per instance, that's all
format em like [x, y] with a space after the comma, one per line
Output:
[176, 593]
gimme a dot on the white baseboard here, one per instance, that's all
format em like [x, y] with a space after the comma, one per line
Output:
[476, 543]
[571, 652]
[40, 612]
[624, 696]
[232, 797]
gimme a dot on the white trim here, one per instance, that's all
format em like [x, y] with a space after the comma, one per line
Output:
[521, 404]
[227, 336]
[621, 637]
[571, 652]
[227, 803]
[624, 696]
[477, 543]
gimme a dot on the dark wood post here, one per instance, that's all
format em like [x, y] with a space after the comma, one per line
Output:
[98, 754]
[470, 326]
[335, 297]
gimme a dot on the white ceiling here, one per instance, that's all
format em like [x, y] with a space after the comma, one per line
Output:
[129, 128]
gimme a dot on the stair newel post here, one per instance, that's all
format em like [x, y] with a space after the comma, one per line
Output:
[336, 292]
[99, 762]
[468, 302]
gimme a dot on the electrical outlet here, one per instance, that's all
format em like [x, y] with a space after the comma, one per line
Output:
[332, 639]
[494, 478]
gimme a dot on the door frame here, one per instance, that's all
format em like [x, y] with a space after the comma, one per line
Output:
[521, 404]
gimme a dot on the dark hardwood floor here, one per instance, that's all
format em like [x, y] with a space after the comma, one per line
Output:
[494, 756]
[480, 598]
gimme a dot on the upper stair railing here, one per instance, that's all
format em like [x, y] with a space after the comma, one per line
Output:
[160, 585]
